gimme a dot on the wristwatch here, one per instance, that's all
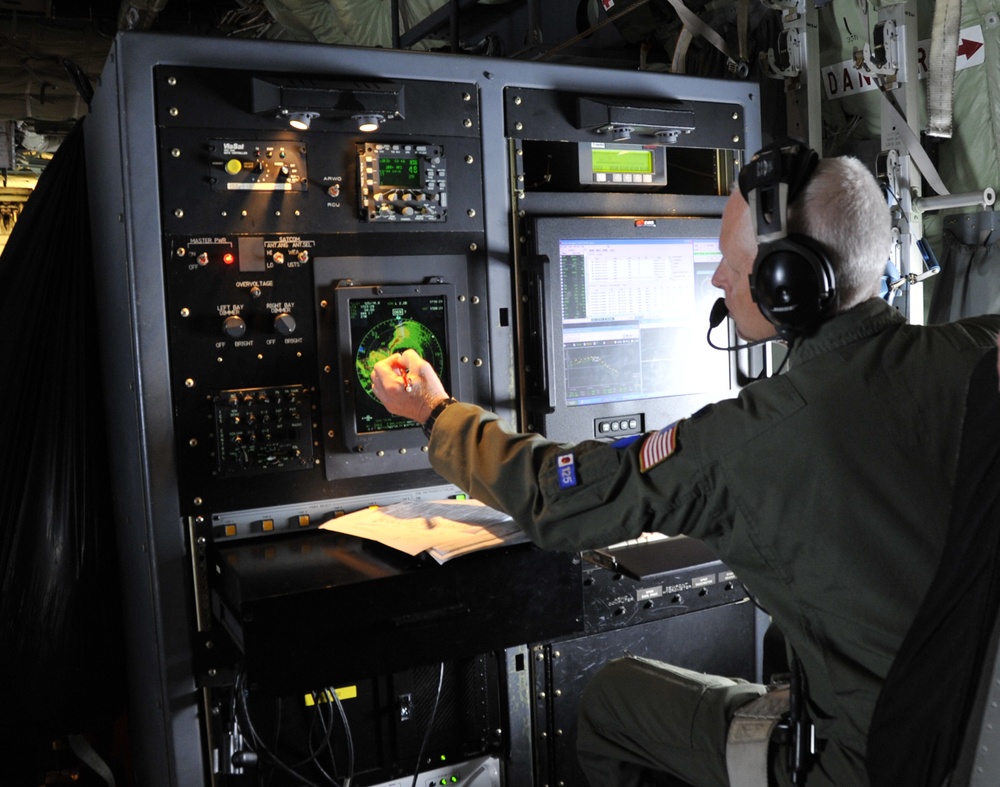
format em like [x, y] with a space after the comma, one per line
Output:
[428, 425]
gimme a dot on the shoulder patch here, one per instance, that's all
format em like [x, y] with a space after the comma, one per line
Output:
[566, 468]
[658, 446]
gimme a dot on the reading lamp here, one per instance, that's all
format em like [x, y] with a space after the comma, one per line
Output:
[368, 123]
[302, 120]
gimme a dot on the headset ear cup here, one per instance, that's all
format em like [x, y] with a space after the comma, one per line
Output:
[793, 285]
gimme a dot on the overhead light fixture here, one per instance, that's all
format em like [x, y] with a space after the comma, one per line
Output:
[368, 123]
[364, 105]
[630, 119]
[301, 120]
[621, 133]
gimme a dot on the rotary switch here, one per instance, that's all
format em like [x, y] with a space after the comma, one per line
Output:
[284, 324]
[234, 327]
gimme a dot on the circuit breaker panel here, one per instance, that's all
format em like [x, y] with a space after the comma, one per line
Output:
[270, 221]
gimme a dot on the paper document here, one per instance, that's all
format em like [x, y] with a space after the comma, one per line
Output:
[442, 528]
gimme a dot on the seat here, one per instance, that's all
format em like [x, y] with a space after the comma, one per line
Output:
[937, 719]
[979, 758]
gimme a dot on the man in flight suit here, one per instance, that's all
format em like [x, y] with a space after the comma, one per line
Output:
[826, 489]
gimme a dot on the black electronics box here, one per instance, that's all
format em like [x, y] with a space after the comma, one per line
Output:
[653, 580]
[321, 607]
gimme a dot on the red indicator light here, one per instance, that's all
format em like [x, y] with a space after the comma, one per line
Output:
[229, 258]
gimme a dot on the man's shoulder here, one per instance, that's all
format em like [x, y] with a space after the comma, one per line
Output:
[969, 332]
[988, 322]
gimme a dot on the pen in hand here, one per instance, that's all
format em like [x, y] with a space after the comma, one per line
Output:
[404, 372]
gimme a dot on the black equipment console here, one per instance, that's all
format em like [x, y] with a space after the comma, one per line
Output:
[271, 220]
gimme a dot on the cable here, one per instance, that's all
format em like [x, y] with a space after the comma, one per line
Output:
[324, 743]
[242, 713]
[333, 697]
[348, 737]
[430, 725]
[240, 692]
[719, 313]
[732, 348]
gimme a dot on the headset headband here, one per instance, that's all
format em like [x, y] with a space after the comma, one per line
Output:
[773, 178]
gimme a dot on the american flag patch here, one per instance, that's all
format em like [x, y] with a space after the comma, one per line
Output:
[658, 447]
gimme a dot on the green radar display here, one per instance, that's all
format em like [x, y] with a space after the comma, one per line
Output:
[386, 325]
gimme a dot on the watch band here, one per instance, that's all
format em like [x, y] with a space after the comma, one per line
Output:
[428, 425]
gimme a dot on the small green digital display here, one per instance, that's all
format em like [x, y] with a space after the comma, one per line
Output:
[395, 171]
[614, 161]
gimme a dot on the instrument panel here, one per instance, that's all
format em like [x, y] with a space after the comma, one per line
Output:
[266, 225]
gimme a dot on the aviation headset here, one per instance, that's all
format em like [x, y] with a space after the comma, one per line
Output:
[792, 281]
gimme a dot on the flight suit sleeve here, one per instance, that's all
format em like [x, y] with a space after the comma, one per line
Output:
[592, 494]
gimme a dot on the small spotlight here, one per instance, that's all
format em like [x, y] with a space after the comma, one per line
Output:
[368, 123]
[621, 133]
[302, 120]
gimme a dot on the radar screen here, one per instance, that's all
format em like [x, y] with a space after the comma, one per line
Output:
[380, 321]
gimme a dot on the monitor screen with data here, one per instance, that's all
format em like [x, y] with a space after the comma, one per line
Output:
[627, 304]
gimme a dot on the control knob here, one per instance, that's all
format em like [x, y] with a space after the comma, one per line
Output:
[234, 327]
[284, 324]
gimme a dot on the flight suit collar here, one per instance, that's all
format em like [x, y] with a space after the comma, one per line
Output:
[866, 319]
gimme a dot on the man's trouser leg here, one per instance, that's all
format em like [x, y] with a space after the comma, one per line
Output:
[636, 714]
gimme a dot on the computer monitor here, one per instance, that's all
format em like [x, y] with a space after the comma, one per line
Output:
[623, 312]
[373, 323]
